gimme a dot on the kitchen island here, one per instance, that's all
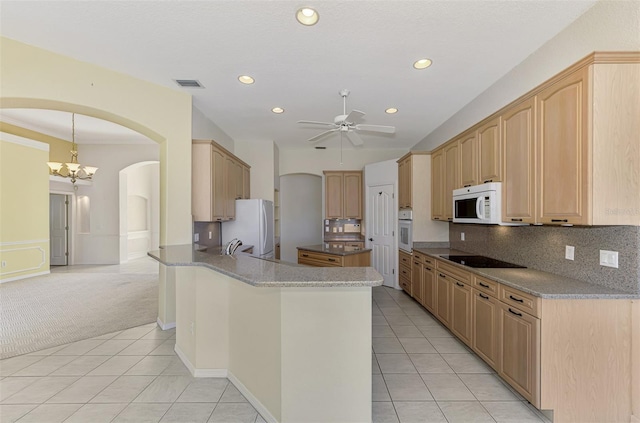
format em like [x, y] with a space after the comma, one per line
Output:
[322, 255]
[296, 341]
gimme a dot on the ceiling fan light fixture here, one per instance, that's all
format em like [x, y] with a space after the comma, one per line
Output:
[391, 110]
[277, 110]
[307, 16]
[422, 63]
[246, 79]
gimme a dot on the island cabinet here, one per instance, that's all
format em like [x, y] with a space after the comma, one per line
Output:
[218, 179]
[404, 275]
[343, 194]
[319, 256]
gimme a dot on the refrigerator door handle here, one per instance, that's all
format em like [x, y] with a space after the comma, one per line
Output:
[264, 228]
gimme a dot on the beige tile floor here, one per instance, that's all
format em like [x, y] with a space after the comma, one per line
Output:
[421, 373]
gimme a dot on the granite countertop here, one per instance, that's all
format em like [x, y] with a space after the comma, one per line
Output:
[536, 282]
[266, 273]
[347, 251]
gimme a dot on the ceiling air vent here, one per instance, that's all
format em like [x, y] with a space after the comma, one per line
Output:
[189, 83]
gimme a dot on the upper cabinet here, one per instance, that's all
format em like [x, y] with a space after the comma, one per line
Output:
[567, 152]
[405, 182]
[437, 184]
[218, 179]
[343, 194]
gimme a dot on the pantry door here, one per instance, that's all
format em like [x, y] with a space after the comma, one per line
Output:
[381, 230]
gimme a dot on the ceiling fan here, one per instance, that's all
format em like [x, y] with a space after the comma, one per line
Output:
[346, 123]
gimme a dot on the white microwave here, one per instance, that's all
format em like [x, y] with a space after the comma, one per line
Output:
[478, 204]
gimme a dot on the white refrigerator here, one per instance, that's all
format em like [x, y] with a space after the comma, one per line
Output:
[253, 226]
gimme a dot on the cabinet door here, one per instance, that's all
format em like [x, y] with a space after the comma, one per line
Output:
[452, 177]
[461, 310]
[230, 188]
[218, 196]
[239, 183]
[489, 152]
[429, 288]
[405, 279]
[246, 182]
[437, 185]
[416, 280]
[486, 310]
[469, 160]
[333, 195]
[408, 182]
[352, 201]
[563, 151]
[401, 184]
[520, 352]
[519, 185]
[443, 299]
[201, 182]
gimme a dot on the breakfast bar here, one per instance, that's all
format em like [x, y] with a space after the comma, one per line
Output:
[294, 340]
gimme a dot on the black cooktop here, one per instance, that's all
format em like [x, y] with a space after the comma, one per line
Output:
[480, 261]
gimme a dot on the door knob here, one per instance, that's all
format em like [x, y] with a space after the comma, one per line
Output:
[370, 239]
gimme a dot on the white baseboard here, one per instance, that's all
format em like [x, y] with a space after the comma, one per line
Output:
[166, 326]
[30, 275]
[199, 372]
[260, 408]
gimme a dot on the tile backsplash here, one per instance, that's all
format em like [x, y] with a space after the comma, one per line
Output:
[203, 229]
[543, 248]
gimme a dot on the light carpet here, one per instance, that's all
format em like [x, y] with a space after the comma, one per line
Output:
[46, 311]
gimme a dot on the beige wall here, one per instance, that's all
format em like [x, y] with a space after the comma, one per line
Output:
[310, 160]
[260, 155]
[24, 210]
[59, 149]
[33, 77]
[607, 26]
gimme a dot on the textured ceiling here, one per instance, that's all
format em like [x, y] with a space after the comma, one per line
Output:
[366, 46]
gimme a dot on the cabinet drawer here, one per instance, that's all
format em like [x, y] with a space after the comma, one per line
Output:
[356, 244]
[405, 284]
[525, 302]
[487, 286]
[418, 256]
[404, 258]
[319, 259]
[457, 273]
[405, 271]
[429, 261]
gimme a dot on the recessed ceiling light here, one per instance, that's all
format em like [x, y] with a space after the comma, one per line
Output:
[307, 16]
[246, 79]
[277, 110]
[422, 64]
[391, 110]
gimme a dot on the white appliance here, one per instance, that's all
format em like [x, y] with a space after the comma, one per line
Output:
[253, 226]
[478, 204]
[405, 224]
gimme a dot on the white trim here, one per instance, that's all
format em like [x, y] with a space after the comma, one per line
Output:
[29, 241]
[199, 372]
[25, 142]
[260, 408]
[166, 326]
[30, 275]
[43, 260]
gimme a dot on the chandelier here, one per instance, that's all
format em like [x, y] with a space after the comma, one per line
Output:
[74, 169]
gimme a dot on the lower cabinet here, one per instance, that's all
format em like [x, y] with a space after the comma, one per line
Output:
[443, 298]
[461, 306]
[417, 286]
[520, 351]
[318, 259]
[485, 327]
[429, 292]
[404, 274]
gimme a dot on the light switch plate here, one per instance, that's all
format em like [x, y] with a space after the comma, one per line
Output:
[569, 252]
[609, 258]
[196, 237]
[461, 236]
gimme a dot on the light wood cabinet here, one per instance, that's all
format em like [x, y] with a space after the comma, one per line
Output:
[246, 182]
[485, 327]
[343, 194]
[520, 351]
[429, 293]
[468, 145]
[451, 177]
[217, 181]
[437, 185]
[404, 274]
[318, 259]
[489, 152]
[563, 151]
[443, 299]
[519, 184]
[461, 308]
[404, 182]
[417, 285]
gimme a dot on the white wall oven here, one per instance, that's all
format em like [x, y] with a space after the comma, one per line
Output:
[405, 235]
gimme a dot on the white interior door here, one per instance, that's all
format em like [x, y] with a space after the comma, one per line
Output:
[58, 229]
[381, 230]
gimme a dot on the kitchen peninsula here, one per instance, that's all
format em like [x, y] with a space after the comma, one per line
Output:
[326, 255]
[295, 340]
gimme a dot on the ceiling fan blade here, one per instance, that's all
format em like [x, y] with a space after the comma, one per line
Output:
[354, 138]
[313, 122]
[322, 134]
[354, 115]
[376, 128]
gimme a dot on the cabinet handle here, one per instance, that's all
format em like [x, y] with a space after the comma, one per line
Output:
[450, 218]
[331, 259]
[218, 219]
[513, 312]
[371, 239]
[516, 299]
[516, 220]
[483, 285]
[416, 263]
[459, 284]
[488, 180]
[428, 269]
[486, 297]
[436, 218]
[442, 276]
[466, 186]
[559, 220]
[305, 255]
